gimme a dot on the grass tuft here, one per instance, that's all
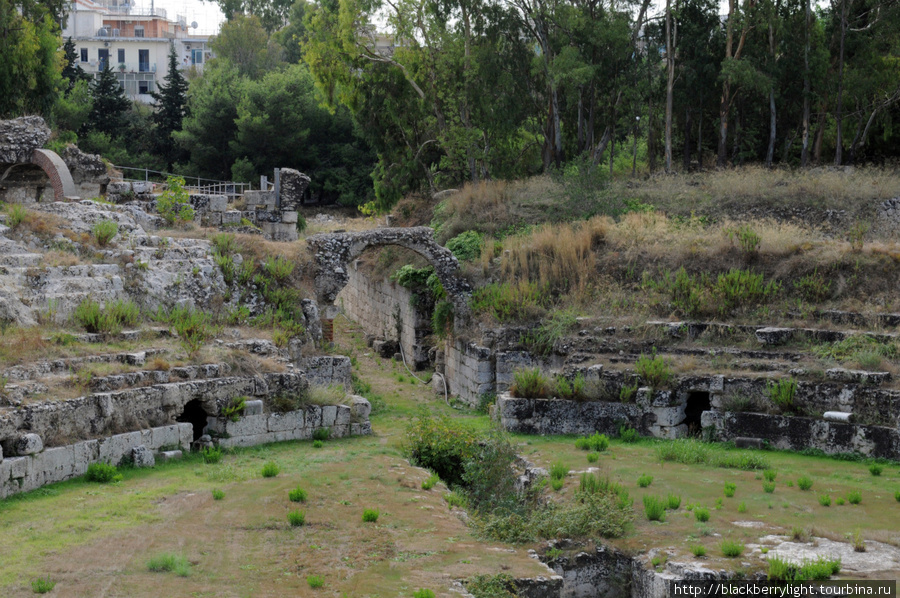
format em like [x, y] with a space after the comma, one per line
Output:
[370, 515]
[270, 470]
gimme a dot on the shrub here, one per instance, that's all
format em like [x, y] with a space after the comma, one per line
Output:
[770, 474]
[804, 483]
[270, 470]
[742, 507]
[627, 392]
[442, 318]
[557, 484]
[820, 569]
[645, 480]
[491, 586]
[211, 454]
[800, 534]
[429, 483]
[732, 548]
[897, 495]
[567, 390]
[730, 489]
[509, 302]
[628, 434]
[466, 246]
[541, 339]
[769, 487]
[558, 471]
[839, 501]
[747, 239]
[224, 244]
[234, 408]
[593, 457]
[102, 473]
[104, 231]
[813, 287]
[875, 469]
[742, 288]
[655, 508]
[825, 500]
[455, 499]
[854, 497]
[218, 494]
[15, 215]
[298, 494]
[92, 317]
[42, 585]
[322, 434]
[698, 550]
[167, 561]
[674, 501]
[315, 581]
[125, 313]
[174, 204]
[423, 593]
[193, 328]
[296, 518]
[859, 543]
[654, 371]
[278, 268]
[701, 514]
[596, 442]
[318, 444]
[529, 384]
[370, 515]
[782, 394]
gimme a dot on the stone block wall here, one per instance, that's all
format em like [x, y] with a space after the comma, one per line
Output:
[278, 223]
[325, 370]
[469, 369]
[375, 305]
[553, 416]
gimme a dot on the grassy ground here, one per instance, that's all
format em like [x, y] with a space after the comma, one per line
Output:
[96, 540]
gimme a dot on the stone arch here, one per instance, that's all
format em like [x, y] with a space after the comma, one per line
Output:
[334, 251]
[57, 171]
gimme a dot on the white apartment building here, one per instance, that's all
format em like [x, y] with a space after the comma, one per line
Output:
[134, 42]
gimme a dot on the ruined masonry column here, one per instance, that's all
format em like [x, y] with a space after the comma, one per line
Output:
[329, 312]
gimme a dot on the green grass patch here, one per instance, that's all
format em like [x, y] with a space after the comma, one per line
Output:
[169, 562]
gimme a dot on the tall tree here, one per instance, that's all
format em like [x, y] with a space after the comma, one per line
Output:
[72, 71]
[110, 105]
[244, 43]
[272, 14]
[171, 108]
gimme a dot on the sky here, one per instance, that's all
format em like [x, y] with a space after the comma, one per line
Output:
[207, 14]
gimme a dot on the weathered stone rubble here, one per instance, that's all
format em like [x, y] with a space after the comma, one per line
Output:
[19, 138]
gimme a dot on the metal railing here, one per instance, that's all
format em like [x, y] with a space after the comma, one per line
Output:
[192, 184]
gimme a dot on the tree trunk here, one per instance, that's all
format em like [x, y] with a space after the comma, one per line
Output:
[670, 83]
[820, 135]
[686, 155]
[839, 116]
[770, 155]
[804, 152]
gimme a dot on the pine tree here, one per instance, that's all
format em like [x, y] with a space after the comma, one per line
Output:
[171, 108]
[72, 71]
[110, 104]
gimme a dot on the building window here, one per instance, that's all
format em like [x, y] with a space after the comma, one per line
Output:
[196, 56]
[144, 61]
[144, 87]
[84, 56]
[121, 56]
[139, 32]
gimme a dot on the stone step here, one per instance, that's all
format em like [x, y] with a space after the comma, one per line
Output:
[20, 260]
[150, 377]
[41, 369]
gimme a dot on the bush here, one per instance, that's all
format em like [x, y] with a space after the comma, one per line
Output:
[491, 586]
[698, 550]
[655, 508]
[211, 454]
[429, 483]
[235, 408]
[897, 495]
[298, 494]
[645, 480]
[370, 515]
[596, 442]
[530, 384]
[510, 302]
[315, 581]
[455, 499]
[769, 475]
[104, 231]
[278, 268]
[825, 500]
[628, 434]
[42, 585]
[318, 444]
[193, 327]
[466, 246]
[747, 239]
[94, 319]
[674, 501]
[567, 390]
[593, 457]
[423, 593]
[442, 318]
[296, 518]
[322, 434]
[820, 569]
[813, 287]
[742, 507]
[167, 561]
[732, 549]
[839, 501]
[174, 204]
[769, 487]
[782, 394]
[558, 471]
[701, 514]
[225, 244]
[270, 470]
[15, 215]
[218, 494]
[654, 371]
[804, 483]
[730, 489]
[875, 469]
[854, 497]
[557, 484]
[102, 473]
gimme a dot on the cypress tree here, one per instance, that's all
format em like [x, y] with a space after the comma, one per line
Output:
[171, 108]
[110, 104]
[72, 71]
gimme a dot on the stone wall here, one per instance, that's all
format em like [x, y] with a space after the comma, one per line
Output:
[469, 370]
[554, 416]
[382, 307]
[798, 433]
